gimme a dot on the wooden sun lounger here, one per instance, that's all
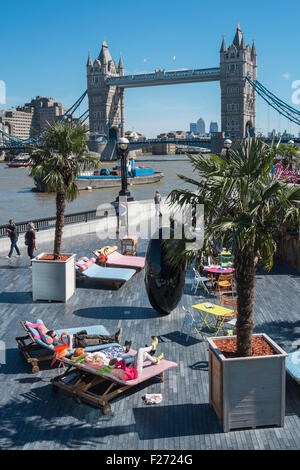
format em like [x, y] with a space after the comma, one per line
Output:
[117, 260]
[111, 284]
[113, 278]
[27, 344]
[79, 380]
[292, 365]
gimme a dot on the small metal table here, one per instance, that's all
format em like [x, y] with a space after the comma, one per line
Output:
[212, 317]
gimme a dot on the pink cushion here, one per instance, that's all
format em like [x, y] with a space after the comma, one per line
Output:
[128, 261]
[149, 370]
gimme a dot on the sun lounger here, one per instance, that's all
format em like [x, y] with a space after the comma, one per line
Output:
[292, 365]
[82, 381]
[115, 259]
[114, 277]
[31, 343]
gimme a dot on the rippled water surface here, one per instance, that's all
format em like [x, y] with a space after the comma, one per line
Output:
[20, 203]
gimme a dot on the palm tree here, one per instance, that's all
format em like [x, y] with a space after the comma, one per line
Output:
[57, 161]
[244, 206]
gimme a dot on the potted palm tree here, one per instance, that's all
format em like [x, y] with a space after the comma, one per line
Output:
[57, 161]
[244, 207]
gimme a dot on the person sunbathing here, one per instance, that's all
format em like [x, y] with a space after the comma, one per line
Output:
[126, 367]
[100, 357]
[131, 366]
[83, 340]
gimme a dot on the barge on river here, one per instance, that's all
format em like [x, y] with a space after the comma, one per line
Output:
[110, 178]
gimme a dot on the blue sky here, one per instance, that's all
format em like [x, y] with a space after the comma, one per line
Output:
[45, 45]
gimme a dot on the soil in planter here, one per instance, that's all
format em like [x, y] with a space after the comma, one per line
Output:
[48, 257]
[260, 347]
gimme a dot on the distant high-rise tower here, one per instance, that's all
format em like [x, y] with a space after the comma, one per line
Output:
[237, 95]
[106, 107]
[200, 127]
[213, 127]
[193, 127]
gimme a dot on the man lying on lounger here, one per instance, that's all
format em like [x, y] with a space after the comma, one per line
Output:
[83, 340]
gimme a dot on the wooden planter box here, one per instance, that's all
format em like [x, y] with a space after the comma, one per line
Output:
[247, 392]
[53, 280]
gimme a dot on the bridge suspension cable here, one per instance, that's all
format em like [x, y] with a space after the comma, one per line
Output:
[9, 141]
[292, 114]
[73, 108]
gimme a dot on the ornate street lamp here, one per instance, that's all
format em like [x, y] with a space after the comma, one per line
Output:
[227, 145]
[122, 145]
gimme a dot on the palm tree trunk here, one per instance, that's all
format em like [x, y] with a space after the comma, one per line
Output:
[245, 281]
[60, 218]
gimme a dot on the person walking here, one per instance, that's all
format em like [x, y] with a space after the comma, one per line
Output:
[30, 241]
[157, 201]
[13, 235]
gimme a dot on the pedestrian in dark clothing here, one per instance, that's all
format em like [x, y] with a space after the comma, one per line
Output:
[30, 241]
[12, 232]
[157, 201]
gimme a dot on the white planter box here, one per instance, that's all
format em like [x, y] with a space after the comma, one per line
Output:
[53, 280]
[249, 391]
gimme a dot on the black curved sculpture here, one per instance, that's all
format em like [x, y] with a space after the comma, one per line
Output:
[164, 284]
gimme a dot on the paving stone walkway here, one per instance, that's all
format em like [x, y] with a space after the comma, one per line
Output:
[33, 417]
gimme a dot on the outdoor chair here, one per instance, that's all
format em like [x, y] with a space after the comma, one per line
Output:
[199, 280]
[189, 325]
[224, 284]
[229, 302]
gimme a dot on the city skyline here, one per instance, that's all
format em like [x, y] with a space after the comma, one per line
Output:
[56, 68]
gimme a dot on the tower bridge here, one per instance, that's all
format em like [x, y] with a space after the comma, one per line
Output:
[106, 84]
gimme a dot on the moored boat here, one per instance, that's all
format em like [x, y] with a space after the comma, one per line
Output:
[110, 181]
[106, 178]
[21, 161]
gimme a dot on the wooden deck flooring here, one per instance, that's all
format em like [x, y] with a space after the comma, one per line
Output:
[33, 417]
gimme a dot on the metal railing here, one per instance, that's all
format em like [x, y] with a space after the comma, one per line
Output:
[49, 222]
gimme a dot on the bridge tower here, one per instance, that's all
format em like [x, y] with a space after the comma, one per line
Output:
[237, 96]
[106, 103]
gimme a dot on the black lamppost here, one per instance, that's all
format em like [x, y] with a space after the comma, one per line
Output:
[123, 144]
[227, 145]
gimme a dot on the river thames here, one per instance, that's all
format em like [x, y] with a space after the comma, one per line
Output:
[20, 203]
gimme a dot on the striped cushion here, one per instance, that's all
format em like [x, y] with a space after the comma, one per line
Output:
[85, 263]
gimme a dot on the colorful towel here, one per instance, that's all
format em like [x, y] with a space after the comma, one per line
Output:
[106, 250]
[85, 263]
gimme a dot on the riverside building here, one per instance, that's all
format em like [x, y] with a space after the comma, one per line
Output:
[32, 118]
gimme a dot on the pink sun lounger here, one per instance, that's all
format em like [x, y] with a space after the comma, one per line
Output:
[72, 383]
[116, 260]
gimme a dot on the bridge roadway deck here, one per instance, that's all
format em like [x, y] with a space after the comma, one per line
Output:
[33, 417]
[161, 77]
